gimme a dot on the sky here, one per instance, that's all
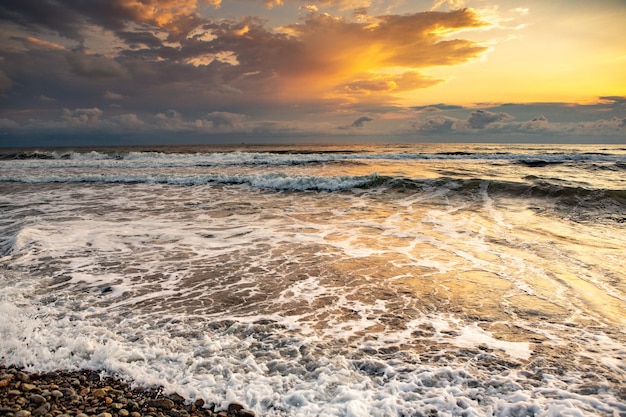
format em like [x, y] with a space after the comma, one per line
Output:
[117, 72]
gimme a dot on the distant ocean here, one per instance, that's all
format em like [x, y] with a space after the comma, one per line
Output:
[325, 280]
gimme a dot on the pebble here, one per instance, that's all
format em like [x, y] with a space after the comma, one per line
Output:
[42, 410]
[163, 403]
[38, 399]
[27, 387]
[88, 394]
[98, 393]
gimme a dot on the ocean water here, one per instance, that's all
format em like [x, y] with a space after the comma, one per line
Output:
[325, 280]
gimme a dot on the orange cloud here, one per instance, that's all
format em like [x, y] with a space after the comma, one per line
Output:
[338, 58]
[172, 15]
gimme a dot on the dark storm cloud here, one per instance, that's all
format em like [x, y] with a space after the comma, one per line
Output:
[70, 18]
[53, 15]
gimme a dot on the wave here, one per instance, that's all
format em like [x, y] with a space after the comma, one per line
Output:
[272, 181]
[531, 187]
[142, 159]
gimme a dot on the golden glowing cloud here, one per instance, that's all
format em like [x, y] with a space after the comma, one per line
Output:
[346, 59]
[165, 14]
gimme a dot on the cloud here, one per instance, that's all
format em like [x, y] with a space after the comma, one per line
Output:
[49, 14]
[614, 101]
[615, 124]
[82, 117]
[170, 53]
[43, 97]
[493, 122]
[128, 121]
[95, 66]
[8, 124]
[109, 95]
[223, 120]
[454, 4]
[31, 43]
[173, 121]
[68, 17]
[360, 121]
[539, 123]
[437, 107]
[437, 124]
[376, 83]
[334, 57]
[479, 119]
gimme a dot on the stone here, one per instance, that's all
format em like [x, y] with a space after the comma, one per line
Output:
[162, 403]
[4, 383]
[22, 377]
[199, 403]
[22, 413]
[123, 413]
[42, 410]
[177, 398]
[37, 399]
[98, 393]
[104, 415]
[81, 415]
[234, 408]
[28, 387]
[57, 394]
[246, 413]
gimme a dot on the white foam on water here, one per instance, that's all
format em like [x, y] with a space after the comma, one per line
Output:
[231, 366]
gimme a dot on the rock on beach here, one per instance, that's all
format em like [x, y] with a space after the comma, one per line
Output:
[89, 394]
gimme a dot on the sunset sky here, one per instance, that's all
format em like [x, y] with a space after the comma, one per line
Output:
[228, 71]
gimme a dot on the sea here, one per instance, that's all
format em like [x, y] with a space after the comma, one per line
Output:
[326, 279]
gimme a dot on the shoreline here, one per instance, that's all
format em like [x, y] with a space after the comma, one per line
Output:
[87, 393]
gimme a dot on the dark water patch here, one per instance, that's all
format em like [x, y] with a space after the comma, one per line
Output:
[32, 155]
[596, 153]
[455, 153]
[537, 163]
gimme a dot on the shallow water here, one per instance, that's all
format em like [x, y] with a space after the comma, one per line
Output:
[341, 281]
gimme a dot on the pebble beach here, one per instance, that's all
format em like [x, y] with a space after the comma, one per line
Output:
[90, 393]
